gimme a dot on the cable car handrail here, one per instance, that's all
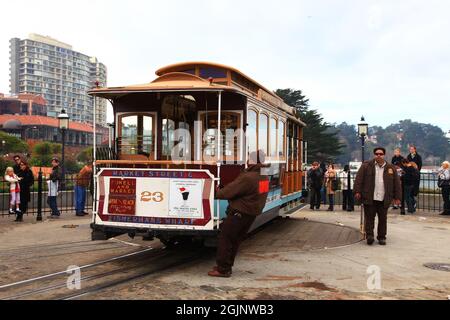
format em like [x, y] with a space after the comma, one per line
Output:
[150, 162]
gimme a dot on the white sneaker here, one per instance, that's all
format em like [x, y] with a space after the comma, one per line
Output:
[11, 211]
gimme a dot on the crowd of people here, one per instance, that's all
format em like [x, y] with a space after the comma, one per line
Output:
[323, 182]
[377, 185]
[20, 181]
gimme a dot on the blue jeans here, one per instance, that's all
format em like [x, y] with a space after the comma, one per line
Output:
[80, 199]
[52, 203]
[410, 199]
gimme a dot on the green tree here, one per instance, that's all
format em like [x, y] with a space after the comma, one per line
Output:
[12, 144]
[322, 138]
[43, 153]
[85, 155]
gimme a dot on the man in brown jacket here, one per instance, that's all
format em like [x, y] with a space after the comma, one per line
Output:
[82, 183]
[377, 185]
[246, 197]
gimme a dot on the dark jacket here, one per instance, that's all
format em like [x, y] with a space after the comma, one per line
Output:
[25, 184]
[410, 176]
[365, 183]
[417, 159]
[248, 192]
[315, 178]
[56, 174]
[397, 160]
[16, 168]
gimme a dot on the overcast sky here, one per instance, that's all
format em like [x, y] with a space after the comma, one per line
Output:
[386, 60]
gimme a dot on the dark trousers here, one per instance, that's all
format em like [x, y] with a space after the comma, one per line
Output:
[315, 198]
[402, 205]
[370, 211]
[52, 204]
[323, 193]
[446, 197]
[348, 202]
[23, 206]
[232, 232]
[409, 198]
[331, 200]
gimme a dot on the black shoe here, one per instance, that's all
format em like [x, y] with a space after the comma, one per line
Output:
[370, 241]
[330, 209]
[382, 242]
[311, 208]
[317, 208]
[402, 213]
[445, 213]
[85, 213]
[79, 215]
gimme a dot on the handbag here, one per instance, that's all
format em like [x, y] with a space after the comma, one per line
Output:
[443, 183]
[335, 184]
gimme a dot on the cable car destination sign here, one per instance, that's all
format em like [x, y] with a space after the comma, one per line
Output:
[155, 196]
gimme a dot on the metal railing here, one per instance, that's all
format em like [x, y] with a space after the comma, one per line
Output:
[429, 196]
[38, 197]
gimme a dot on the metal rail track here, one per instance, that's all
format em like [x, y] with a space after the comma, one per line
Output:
[146, 264]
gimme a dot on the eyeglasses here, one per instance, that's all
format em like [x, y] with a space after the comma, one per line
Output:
[379, 154]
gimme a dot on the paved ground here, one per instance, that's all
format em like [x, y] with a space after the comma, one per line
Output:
[285, 260]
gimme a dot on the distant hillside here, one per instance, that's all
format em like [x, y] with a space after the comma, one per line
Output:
[431, 142]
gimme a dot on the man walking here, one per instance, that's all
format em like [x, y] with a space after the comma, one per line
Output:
[246, 196]
[53, 185]
[82, 183]
[377, 184]
[315, 180]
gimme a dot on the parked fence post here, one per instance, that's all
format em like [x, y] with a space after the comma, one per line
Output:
[39, 202]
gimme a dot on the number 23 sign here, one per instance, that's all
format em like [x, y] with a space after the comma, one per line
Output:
[148, 196]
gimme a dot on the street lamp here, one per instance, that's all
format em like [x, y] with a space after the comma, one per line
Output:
[63, 123]
[363, 129]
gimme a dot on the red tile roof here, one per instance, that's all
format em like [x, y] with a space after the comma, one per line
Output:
[44, 121]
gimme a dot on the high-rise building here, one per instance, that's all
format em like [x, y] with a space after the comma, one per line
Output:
[44, 66]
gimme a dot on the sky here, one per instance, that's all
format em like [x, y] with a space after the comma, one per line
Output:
[386, 60]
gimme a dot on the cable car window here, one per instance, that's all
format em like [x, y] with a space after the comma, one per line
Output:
[251, 131]
[273, 137]
[213, 73]
[281, 140]
[262, 132]
[136, 134]
[178, 115]
[231, 139]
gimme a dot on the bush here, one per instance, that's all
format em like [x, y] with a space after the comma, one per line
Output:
[12, 144]
[43, 153]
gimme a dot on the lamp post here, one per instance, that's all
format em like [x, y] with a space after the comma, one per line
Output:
[363, 129]
[63, 123]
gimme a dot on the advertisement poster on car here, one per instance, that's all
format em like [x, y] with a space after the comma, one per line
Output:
[185, 198]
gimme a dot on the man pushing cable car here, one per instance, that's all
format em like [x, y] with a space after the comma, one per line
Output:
[246, 197]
